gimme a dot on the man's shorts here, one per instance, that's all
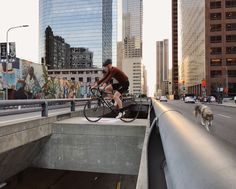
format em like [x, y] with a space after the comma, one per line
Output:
[121, 87]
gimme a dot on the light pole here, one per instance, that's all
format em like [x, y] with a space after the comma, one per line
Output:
[226, 80]
[7, 58]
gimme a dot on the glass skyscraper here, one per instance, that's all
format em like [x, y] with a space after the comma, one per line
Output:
[89, 24]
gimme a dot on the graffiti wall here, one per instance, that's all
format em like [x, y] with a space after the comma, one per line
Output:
[28, 80]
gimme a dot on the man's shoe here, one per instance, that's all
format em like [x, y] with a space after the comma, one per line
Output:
[119, 115]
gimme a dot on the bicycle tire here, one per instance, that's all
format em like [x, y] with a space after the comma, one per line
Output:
[130, 110]
[94, 110]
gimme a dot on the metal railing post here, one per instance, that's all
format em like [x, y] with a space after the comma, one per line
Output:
[44, 109]
[72, 107]
[89, 104]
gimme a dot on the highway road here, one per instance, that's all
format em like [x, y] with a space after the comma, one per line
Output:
[224, 123]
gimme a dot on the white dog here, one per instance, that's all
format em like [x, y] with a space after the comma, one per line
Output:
[206, 115]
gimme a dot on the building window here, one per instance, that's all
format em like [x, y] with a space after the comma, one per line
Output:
[230, 3]
[230, 15]
[216, 62]
[232, 73]
[216, 73]
[88, 79]
[230, 50]
[232, 88]
[230, 27]
[216, 39]
[215, 27]
[215, 5]
[80, 79]
[216, 50]
[230, 38]
[231, 61]
[215, 16]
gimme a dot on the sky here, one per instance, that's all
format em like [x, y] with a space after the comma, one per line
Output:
[156, 27]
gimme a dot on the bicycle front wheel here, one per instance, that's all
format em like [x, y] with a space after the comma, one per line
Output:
[130, 110]
[94, 110]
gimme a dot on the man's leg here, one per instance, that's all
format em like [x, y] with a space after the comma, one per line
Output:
[116, 97]
[108, 90]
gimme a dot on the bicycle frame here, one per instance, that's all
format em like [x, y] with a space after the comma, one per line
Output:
[100, 97]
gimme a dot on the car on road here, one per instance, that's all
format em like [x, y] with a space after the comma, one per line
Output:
[189, 99]
[163, 99]
[158, 97]
[212, 99]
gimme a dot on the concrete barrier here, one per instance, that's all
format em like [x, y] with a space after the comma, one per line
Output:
[108, 146]
[193, 158]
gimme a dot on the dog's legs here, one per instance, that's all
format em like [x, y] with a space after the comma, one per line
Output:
[207, 125]
[202, 121]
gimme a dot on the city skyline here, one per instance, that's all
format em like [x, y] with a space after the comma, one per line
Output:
[27, 38]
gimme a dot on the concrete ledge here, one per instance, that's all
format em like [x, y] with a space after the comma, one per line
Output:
[142, 182]
[109, 146]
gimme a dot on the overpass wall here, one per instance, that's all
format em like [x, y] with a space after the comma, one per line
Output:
[109, 146]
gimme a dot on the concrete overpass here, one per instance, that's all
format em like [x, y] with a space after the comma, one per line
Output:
[164, 150]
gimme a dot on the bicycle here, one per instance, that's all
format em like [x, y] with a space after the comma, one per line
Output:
[98, 107]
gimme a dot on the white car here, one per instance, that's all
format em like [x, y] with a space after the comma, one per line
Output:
[163, 99]
[213, 99]
[189, 99]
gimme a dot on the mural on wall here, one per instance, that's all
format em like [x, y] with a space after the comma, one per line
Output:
[28, 80]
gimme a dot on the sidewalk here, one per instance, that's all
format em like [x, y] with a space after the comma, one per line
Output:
[230, 103]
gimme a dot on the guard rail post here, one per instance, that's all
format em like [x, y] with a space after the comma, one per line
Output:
[44, 109]
[72, 107]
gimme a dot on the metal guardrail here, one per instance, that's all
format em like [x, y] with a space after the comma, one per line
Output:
[193, 158]
[44, 103]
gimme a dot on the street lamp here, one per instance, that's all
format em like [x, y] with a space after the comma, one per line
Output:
[7, 58]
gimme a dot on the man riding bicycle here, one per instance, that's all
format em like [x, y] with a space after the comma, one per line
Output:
[120, 87]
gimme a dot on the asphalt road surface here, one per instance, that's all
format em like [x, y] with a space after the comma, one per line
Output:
[224, 123]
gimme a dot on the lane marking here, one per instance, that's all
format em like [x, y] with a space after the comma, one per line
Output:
[224, 116]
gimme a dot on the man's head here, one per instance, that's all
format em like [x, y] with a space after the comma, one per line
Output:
[107, 64]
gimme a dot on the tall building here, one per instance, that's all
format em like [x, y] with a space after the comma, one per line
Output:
[191, 45]
[174, 80]
[57, 51]
[162, 67]
[208, 46]
[119, 54]
[221, 47]
[132, 23]
[81, 58]
[88, 24]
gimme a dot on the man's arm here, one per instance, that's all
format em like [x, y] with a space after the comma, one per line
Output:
[103, 79]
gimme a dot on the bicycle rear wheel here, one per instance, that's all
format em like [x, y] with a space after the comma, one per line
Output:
[94, 110]
[130, 110]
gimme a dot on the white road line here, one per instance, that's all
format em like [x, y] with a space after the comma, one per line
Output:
[224, 116]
